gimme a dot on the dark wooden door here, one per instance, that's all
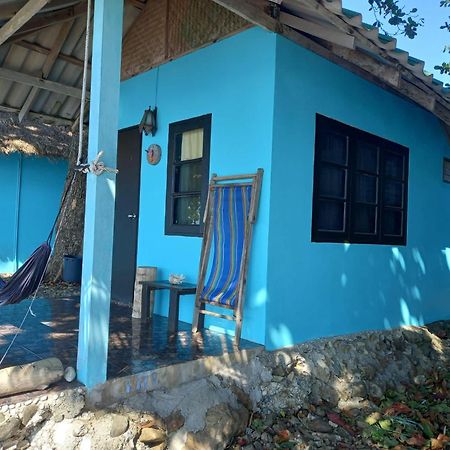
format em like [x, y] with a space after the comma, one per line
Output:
[126, 214]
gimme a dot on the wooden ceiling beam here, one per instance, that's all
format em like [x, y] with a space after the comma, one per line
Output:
[45, 51]
[34, 115]
[328, 33]
[29, 80]
[30, 9]
[47, 20]
[138, 4]
[47, 67]
[10, 9]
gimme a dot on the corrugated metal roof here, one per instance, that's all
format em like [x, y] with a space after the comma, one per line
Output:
[28, 55]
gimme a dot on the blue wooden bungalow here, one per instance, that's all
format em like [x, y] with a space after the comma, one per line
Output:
[30, 152]
[353, 229]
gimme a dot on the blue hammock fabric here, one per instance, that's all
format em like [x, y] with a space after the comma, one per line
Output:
[230, 216]
[27, 279]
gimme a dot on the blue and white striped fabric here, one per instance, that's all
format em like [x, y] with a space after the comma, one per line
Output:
[230, 216]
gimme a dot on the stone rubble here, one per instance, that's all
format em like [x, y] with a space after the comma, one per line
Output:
[310, 396]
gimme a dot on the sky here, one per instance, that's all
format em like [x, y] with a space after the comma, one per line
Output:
[428, 45]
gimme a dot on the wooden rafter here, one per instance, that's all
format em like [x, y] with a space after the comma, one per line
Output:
[53, 86]
[327, 10]
[327, 33]
[138, 4]
[47, 67]
[390, 75]
[45, 51]
[47, 20]
[31, 8]
[46, 117]
[9, 9]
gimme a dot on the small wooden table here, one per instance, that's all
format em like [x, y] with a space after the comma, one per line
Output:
[176, 290]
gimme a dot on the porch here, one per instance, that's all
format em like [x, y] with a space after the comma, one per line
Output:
[134, 346]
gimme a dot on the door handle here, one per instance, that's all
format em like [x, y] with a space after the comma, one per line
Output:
[132, 216]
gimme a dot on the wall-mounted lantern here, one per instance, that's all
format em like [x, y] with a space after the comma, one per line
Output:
[148, 122]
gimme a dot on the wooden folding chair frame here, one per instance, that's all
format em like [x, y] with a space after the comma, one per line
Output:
[254, 180]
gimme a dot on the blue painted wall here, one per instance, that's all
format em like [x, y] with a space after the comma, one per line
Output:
[330, 289]
[31, 189]
[234, 80]
[9, 179]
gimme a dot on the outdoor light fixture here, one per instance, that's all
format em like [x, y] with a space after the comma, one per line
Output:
[148, 122]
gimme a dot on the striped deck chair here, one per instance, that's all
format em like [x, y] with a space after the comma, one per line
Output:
[229, 217]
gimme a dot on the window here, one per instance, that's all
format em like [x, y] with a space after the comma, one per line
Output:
[360, 186]
[187, 175]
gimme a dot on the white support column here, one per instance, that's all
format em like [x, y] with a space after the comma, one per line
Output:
[100, 194]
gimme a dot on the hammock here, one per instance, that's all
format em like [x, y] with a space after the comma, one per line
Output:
[27, 279]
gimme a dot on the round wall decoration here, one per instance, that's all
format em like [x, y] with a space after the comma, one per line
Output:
[153, 154]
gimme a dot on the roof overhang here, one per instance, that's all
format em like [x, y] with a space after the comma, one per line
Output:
[340, 36]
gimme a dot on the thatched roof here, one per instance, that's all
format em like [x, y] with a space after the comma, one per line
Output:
[33, 137]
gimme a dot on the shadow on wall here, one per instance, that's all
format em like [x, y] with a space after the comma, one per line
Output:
[359, 287]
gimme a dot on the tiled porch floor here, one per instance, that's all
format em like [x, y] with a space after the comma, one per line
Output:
[133, 347]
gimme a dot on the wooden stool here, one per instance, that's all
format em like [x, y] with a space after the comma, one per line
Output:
[143, 273]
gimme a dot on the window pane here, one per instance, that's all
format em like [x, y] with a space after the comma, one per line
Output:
[187, 210]
[393, 165]
[188, 177]
[330, 216]
[392, 222]
[393, 193]
[366, 157]
[334, 148]
[332, 181]
[366, 189]
[365, 219]
[189, 145]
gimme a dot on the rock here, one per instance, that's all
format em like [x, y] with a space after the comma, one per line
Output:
[119, 425]
[375, 391]
[222, 423]
[22, 445]
[79, 429]
[242, 396]
[152, 436]
[68, 407]
[279, 371]
[319, 426]
[28, 412]
[419, 379]
[174, 422]
[9, 428]
[161, 446]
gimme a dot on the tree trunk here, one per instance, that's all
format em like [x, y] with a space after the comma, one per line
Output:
[70, 227]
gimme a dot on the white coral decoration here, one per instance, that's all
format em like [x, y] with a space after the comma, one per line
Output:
[70, 374]
[176, 279]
